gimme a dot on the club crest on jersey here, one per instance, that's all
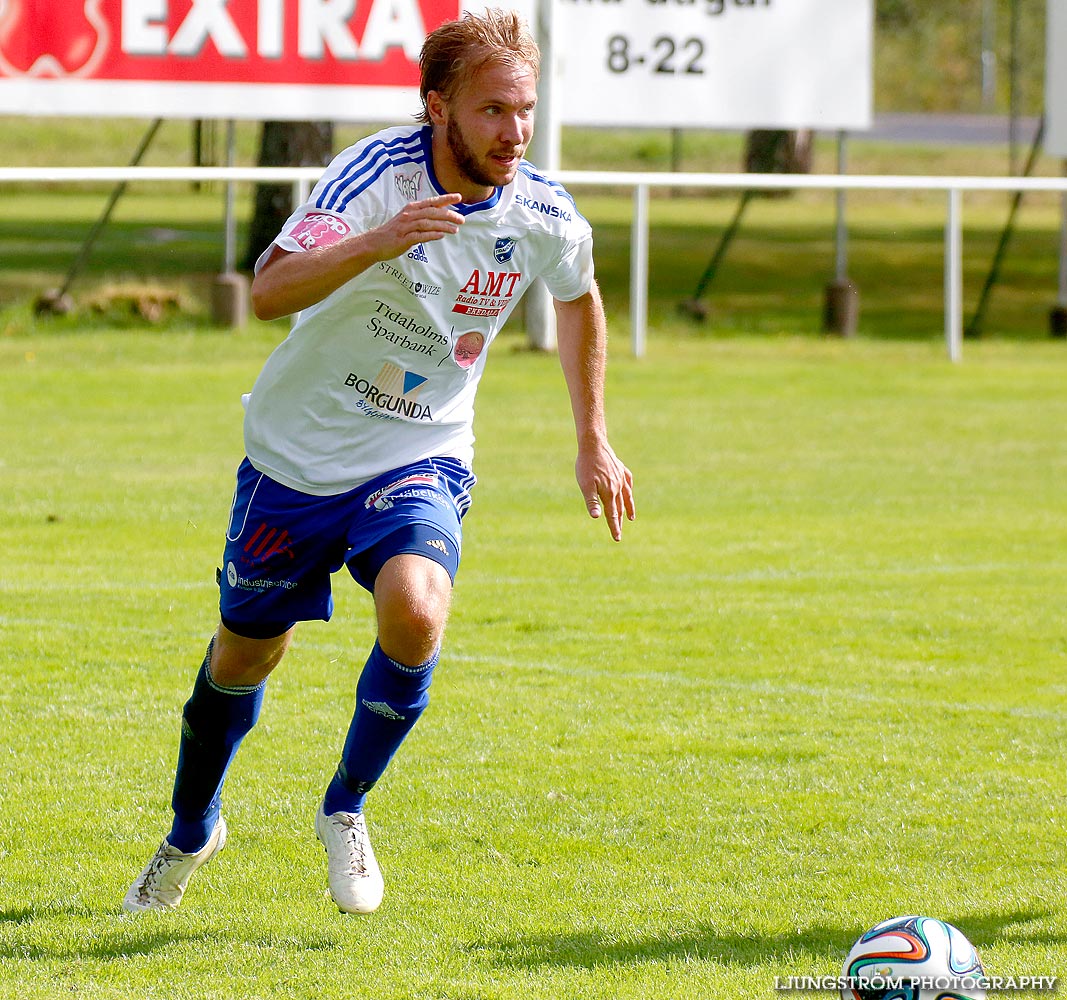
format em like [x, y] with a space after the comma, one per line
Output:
[504, 248]
[317, 229]
[408, 187]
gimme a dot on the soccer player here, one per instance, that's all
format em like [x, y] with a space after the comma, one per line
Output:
[414, 248]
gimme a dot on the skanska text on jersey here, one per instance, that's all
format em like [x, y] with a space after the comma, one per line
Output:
[553, 211]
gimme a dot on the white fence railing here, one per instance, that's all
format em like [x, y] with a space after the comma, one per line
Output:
[302, 179]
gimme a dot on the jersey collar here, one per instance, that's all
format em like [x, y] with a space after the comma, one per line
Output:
[463, 208]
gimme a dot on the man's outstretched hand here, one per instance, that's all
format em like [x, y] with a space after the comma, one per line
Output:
[607, 486]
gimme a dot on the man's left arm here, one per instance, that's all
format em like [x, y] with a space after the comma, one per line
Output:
[606, 484]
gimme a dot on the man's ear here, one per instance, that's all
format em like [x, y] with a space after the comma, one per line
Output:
[436, 108]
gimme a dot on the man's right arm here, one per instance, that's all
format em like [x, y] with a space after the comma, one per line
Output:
[290, 281]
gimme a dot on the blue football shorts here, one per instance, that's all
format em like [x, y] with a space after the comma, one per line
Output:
[282, 546]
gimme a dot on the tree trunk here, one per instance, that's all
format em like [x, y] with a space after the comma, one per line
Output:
[283, 144]
[775, 151]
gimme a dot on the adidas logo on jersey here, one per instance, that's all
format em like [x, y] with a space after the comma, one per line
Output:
[418, 252]
[439, 544]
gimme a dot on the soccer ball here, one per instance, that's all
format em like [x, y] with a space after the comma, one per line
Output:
[913, 958]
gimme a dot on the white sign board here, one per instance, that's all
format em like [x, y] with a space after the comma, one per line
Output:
[716, 63]
[1056, 80]
[676, 63]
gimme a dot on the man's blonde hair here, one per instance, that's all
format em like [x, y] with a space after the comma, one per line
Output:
[455, 51]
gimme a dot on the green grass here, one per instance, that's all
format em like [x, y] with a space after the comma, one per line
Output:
[820, 683]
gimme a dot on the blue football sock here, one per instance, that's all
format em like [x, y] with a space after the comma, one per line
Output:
[214, 721]
[390, 697]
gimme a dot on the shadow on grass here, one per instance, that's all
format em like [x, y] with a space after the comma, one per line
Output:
[705, 942]
[129, 935]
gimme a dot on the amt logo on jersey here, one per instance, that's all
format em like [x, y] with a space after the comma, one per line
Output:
[487, 293]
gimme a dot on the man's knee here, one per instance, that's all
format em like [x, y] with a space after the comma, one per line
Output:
[412, 596]
[238, 661]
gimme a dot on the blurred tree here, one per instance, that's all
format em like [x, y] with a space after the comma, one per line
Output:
[933, 55]
[775, 151]
[893, 13]
[283, 144]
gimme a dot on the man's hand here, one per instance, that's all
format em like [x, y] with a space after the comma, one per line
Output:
[417, 222]
[607, 486]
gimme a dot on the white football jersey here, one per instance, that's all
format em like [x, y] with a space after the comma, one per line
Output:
[383, 371]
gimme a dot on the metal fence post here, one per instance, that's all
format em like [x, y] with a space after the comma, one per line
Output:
[954, 277]
[639, 271]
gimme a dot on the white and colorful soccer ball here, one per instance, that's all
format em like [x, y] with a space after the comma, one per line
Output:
[913, 958]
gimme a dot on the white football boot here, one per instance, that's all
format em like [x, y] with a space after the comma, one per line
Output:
[356, 883]
[161, 884]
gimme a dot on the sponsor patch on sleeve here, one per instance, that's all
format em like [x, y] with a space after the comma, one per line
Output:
[317, 229]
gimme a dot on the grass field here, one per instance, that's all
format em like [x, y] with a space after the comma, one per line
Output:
[820, 683]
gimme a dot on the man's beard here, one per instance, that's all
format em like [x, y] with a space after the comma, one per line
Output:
[464, 157]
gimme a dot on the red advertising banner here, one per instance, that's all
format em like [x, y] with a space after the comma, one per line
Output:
[215, 58]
